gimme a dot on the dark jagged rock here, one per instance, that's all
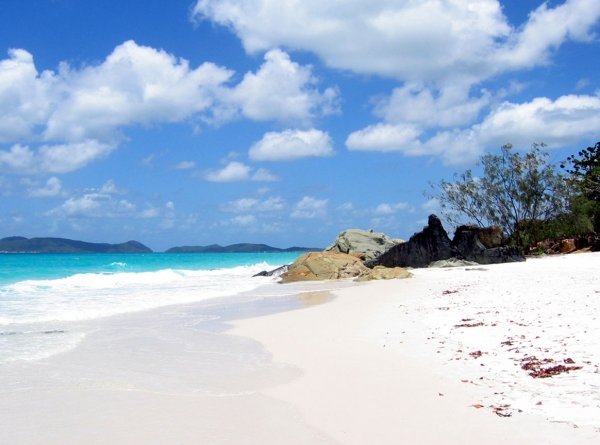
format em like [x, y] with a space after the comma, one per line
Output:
[273, 273]
[490, 237]
[470, 243]
[432, 244]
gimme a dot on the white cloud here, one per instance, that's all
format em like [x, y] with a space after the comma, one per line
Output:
[290, 145]
[134, 85]
[389, 209]
[439, 49]
[61, 121]
[243, 205]
[236, 171]
[62, 158]
[264, 175]
[24, 96]
[415, 104]
[558, 123]
[385, 137]
[243, 220]
[281, 90]
[432, 206]
[185, 165]
[431, 40]
[547, 29]
[309, 208]
[52, 188]
[103, 202]
[408, 40]
[232, 172]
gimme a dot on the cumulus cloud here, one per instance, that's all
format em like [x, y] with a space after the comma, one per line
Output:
[310, 208]
[414, 40]
[243, 220]
[264, 175]
[60, 121]
[103, 202]
[385, 137]
[558, 123]
[432, 40]
[281, 90]
[242, 205]
[555, 122]
[52, 188]
[232, 172]
[60, 158]
[236, 171]
[440, 51]
[415, 104]
[389, 209]
[185, 165]
[291, 145]
[71, 117]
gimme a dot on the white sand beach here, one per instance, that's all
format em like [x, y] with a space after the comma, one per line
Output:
[434, 359]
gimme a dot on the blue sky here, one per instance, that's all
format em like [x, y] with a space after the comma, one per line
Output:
[221, 121]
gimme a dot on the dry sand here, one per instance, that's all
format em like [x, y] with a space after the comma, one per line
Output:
[427, 360]
[437, 359]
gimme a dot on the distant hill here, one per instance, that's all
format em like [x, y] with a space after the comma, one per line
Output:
[19, 244]
[238, 248]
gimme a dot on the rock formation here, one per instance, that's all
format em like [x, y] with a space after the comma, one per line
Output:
[433, 244]
[383, 273]
[422, 248]
[364, 244]
[323, 266]
[469, 242]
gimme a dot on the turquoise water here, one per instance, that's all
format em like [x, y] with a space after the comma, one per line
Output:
[19, 267]
[45, 298]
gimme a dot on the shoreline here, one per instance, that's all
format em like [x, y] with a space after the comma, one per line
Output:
[409, 354]
[375, 363]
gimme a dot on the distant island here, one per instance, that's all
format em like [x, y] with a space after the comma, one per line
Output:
[19, 244]
[238, 248]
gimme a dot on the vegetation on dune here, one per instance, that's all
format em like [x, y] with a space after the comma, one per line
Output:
[527, 196]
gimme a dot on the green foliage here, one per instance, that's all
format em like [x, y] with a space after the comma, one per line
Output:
[585, 170]
[585, 177]
[512, 190]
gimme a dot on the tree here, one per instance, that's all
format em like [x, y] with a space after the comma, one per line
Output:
[585, 176]
[512, 191]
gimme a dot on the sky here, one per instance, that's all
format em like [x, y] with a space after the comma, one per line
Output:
[282, 122]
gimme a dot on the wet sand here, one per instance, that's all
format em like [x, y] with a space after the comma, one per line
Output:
[380, 363]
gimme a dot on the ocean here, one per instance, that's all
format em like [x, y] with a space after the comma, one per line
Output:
[43, 297]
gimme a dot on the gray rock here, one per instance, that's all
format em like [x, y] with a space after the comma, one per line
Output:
[364, 244]
[453, 262]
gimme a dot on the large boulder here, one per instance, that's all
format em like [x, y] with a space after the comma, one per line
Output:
[470, 242]
[323, 266]
[431, 244]
[490, 237]
[364, 244]
[384, 273]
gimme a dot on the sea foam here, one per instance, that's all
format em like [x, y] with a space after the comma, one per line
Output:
[94, 295]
